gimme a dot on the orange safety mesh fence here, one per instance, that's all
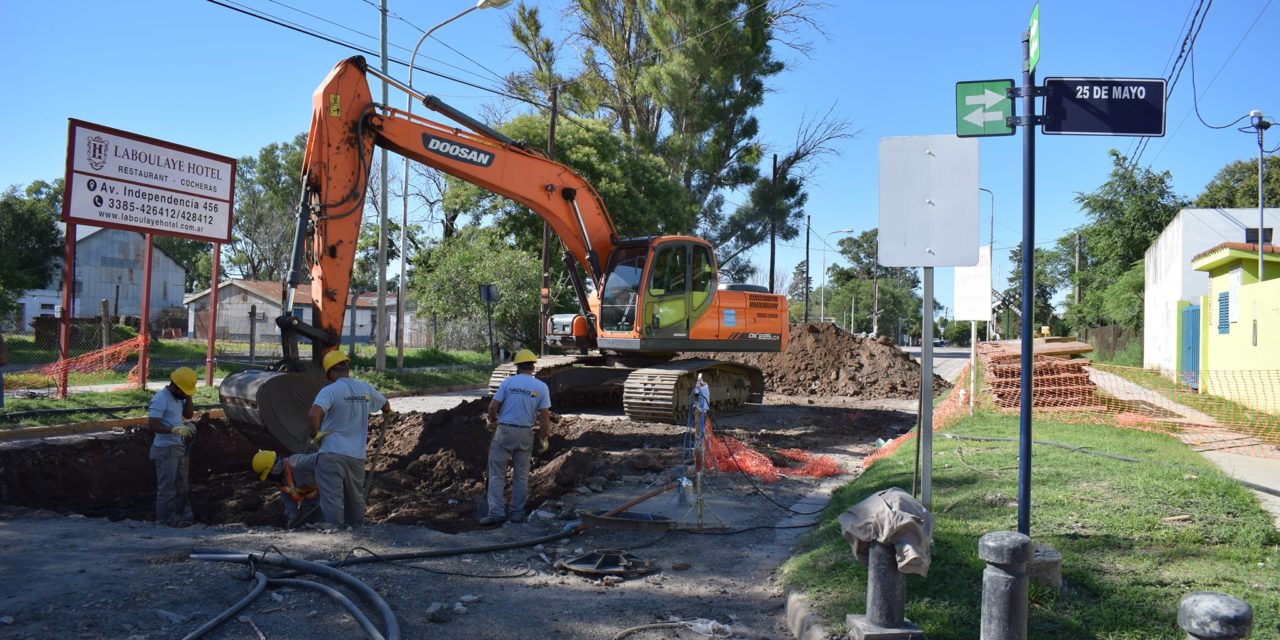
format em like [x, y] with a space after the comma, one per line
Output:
[951, 410]
[1225, 410]
[726, 453]
[92, 362]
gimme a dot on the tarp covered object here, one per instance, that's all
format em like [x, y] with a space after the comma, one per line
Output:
[891, 517]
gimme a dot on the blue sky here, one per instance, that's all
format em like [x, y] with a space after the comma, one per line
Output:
[199, 74]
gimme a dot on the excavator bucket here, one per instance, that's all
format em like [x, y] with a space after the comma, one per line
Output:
[270, 408]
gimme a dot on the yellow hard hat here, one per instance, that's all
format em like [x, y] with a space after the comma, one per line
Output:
[334, 357]
[185, 378]
[262, 463]
[523, 356]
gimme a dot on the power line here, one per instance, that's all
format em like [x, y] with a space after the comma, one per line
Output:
[1215, 75]
[1175, 71]
[230, 4]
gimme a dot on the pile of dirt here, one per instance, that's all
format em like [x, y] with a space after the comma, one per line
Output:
[430, 471]
[824, 360]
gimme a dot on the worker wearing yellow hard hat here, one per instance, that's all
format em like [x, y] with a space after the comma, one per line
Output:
[167, 416]
[296, 477]
[339, 419]
[520, 409]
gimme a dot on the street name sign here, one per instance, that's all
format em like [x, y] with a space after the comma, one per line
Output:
[982, 107]
[127, 181]
[1105, 106]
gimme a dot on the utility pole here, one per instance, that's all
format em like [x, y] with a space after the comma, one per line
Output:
[773, 223]
[544, 312]
[380, 359]
[992, 244]
[808, 222]
[1077, 294]
[1260, 124]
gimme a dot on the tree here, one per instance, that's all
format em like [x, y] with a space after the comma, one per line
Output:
[1236, 185]
[450, 287]
[1048, 279]
[193, 255]
[31, 239]
[648, 69]
[268, 189]
[799, 290]
[1126, 214]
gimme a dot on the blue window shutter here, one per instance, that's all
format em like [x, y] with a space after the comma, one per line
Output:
[1224, 309]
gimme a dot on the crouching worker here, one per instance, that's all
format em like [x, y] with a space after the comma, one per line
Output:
[169, 408]
[296, 477]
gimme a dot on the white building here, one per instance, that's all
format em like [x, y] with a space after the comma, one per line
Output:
[109, 266]
[1170, 278]
[237, 297]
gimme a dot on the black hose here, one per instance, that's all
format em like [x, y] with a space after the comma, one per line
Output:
[259, 585]
[1045, 443]
[569, 529]
[351, 607]
[370, 596]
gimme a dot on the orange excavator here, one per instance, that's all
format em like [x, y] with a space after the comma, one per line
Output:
[642, 302]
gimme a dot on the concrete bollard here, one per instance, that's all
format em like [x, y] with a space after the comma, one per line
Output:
[1206, 615]
[1004, 585]
[886, 600]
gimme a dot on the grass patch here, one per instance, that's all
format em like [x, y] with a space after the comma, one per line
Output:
[1125, 567]
[135, 400]
[411, 381]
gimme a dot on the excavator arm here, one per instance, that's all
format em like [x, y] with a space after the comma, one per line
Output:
[346, 126]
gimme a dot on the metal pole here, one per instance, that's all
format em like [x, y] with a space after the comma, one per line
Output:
[380, 328]
[973, 362]
[145, 324]
[544, 313]
[926, 393]
[1028, 286]
[992, 243]
[68, 285]
[1261, 125]
[808, 230]
[213, 314]
[253, 334]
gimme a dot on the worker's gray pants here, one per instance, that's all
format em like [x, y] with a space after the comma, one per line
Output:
[511, 445]
[341, 482]
[171, 484]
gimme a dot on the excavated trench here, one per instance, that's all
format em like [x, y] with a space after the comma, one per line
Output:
[428, 472]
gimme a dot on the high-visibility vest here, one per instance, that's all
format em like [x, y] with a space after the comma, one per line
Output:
[293, 491]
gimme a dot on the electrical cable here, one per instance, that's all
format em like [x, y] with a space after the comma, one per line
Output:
[259, 585]
[527, 569]
[341, 598]
[1195, 103]
[734, 532]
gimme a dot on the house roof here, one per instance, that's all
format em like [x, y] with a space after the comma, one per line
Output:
[269, 291]
[1228, 252]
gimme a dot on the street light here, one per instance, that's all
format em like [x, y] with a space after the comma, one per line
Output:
[823, 296]
[992, 261]
[404, 194]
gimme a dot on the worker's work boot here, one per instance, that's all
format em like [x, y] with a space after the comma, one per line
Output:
[491, 519]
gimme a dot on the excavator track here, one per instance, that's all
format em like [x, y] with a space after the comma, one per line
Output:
[574, 380]
[661, 393]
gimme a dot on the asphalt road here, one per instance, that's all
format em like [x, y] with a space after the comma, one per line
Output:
[947, 361]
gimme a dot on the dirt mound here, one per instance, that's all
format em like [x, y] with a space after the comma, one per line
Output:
[430, 471]
[824, 360]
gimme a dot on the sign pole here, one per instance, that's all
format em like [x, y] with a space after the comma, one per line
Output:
[68, 286]
[926, 392]
[973, 362]
[213, 314]
[144, 328]
[1028, 273]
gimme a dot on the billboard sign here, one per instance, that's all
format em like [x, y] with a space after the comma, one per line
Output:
[973, 289]
[127, 181]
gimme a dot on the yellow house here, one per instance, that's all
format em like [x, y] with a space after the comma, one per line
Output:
[1240, 325]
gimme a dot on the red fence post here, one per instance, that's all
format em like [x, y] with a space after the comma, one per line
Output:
[144, 327]
[213, 314]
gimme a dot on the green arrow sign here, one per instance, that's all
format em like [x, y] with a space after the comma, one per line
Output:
[1033, 33]
[981, 108]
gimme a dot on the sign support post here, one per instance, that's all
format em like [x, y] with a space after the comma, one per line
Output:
[213, 314]
[144, 327]
[1028, 271]
[926, 392]
[68, 287]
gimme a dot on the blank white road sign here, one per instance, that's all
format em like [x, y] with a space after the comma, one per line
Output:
[928, 201]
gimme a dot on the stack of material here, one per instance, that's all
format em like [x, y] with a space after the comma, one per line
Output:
[1059, 381]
